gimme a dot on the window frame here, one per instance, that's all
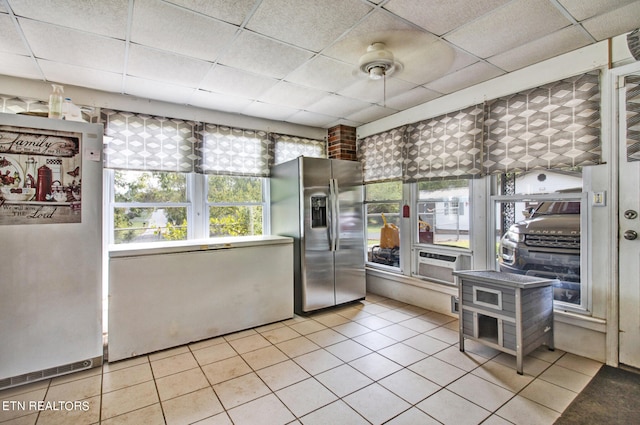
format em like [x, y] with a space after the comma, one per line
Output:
[264, 203]
[585, 255]
[109, 214]
[415, 236]
[196, 203]
[365, 209]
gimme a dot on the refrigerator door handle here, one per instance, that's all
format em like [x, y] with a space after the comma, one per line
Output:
[335, 210]
[330, 219]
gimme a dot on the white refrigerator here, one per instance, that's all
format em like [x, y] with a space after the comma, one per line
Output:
[50, 248]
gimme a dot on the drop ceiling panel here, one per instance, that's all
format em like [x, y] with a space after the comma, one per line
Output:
[615, 22]
[562, 41]
[433, 61]
[312, 119]
[311, 24]
[285, 93]
[508, 27]
[219, 102]
[464, 78]
[412, 98]
[232, 11]
[260, 55]
[324, 74]
[236, 82]
[372, 113]
[440, 17]
[461, 60]
[19, 66]
[105, 17]
[81, 76]
[159, 65]
[344, 121]
[377, 27]
[159, 90]
[73, 47]
[10, 40]
[269, 111]
[584, 9]
[375, 91]
[154, 24]
[337, 105]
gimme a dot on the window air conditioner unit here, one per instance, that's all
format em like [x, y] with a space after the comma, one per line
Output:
[438, 266]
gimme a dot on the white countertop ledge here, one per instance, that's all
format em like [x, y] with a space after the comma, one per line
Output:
[157, 248]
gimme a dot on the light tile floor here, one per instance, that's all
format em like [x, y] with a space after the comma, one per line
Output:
[377, 361]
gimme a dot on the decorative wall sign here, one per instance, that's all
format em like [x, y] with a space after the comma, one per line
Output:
[40, 176]
[31, 143]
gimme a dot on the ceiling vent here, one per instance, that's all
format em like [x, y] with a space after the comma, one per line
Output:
[378, 62]
[633, 41]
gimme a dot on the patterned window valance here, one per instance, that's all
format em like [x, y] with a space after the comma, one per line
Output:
[448, 146]
[233, 151]
[382, 155]
[145, 142]
[632, 94]
[555, 126]
[290, 147]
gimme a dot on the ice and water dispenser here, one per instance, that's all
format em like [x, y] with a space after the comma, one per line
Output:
[318, 211]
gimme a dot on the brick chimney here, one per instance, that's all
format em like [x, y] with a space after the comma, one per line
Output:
[342, 142]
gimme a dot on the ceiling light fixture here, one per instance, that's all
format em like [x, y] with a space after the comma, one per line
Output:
[378, 62]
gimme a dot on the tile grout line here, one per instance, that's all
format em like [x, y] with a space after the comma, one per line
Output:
[155, 384]
[101, 393]
[224, 410]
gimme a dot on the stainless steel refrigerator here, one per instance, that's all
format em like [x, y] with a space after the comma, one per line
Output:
[319, 203]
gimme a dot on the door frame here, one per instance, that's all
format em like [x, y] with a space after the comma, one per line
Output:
[613, 83]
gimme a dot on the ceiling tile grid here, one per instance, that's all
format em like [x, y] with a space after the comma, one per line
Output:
[294, 60]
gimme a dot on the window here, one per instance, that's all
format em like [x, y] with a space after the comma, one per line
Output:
[382, 209]
[443, 212]
[156, 206]
[236, 205]
[539, 230]
[149, 206]
[200, 180]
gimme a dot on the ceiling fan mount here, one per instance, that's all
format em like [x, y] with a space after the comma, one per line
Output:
[378, 62]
